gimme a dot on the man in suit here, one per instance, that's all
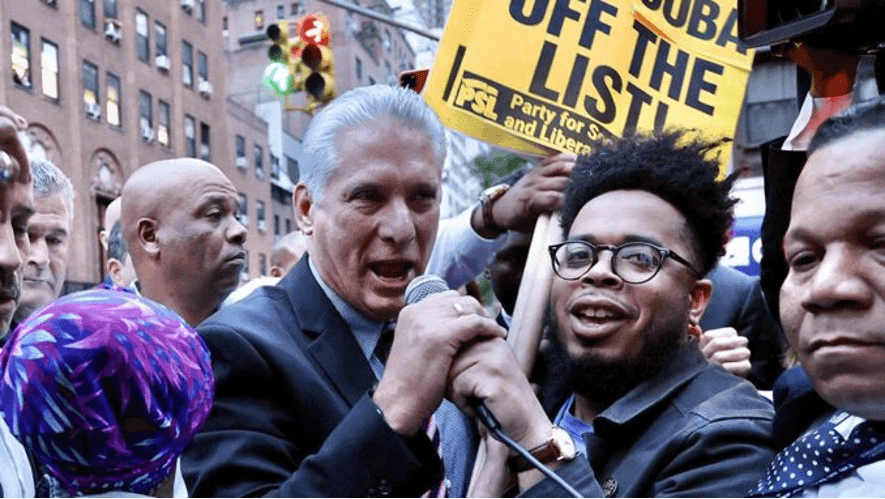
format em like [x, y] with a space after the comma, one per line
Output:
[306, 404]
[832, 308]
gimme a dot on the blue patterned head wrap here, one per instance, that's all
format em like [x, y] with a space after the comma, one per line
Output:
[106, 389]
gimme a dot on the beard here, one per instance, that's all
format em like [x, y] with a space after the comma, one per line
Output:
[602, 380]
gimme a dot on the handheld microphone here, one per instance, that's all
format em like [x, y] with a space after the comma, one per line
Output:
[427, 285]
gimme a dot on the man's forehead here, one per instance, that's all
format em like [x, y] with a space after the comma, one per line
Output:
[849, 167]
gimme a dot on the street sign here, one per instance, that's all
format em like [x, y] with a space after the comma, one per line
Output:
[314, 28]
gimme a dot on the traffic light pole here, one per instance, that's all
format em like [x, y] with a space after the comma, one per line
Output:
[381, 18]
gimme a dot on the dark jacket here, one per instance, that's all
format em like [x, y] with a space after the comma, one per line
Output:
[292, 415]
[780, 170]
[694, 430]
[737, 302]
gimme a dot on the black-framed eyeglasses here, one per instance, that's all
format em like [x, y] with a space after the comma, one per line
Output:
[634, 263]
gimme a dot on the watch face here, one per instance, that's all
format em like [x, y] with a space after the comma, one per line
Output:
[565, 443]
[496, 191]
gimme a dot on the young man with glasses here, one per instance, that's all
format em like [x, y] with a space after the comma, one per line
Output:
[644, 219]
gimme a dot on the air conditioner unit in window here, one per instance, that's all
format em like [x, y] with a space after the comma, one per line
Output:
[93, 110]
[242, 163]
[244, 219]
[163, 62]
[205, 88]
[187, 5]
[147, 133]
[112, 30]
[262, 225]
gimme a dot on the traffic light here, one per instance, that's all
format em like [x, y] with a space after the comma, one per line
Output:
[320, 83]
[285, 74]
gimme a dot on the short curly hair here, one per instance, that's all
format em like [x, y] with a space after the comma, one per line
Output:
[672, 165]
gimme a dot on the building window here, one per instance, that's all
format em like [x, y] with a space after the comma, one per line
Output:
[259, 215]
[259, 20]
[110, 9]
[245, 273]
[112, 83]
[262, 264]
[276, 225]
[292, 169]
[161, 39]
[163, 131]
[295, 8]
[371, 81]
[240, 146]
[274, 167]
[90, 90]
[201, 11]
[243, 209]
[49, 69]
[259, 162]
[203, 66]
[187, 60]
[288, 226]
[281, 12]
[87, 13]
[224, 26]
[204, 142]
[190, 135]
[359, 69]
[142, 36]
[21, 56]
[146, 116]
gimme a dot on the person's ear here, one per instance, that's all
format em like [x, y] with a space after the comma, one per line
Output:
[146, 235]
[114, 268]
[700, 298]
[303, 203]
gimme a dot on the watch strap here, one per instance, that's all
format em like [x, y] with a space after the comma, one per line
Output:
[546, 453]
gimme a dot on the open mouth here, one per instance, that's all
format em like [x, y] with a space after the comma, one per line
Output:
[393, 270]
[598, 315]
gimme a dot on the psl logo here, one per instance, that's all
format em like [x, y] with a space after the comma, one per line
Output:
[480, 96]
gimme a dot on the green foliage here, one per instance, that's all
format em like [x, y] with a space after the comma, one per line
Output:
[495, 167]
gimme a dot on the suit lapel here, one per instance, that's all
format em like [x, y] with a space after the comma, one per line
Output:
[332, 345]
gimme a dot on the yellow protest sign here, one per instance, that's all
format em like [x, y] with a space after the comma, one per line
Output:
[537, 75]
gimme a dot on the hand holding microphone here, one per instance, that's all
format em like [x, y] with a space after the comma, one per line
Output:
[433, 327]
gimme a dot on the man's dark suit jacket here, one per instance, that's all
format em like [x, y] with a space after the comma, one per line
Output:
[737, 301]
[292, 415]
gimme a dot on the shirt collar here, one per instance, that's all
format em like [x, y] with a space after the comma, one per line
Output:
[365, 330]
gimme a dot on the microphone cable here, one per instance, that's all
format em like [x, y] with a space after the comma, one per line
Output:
[488, 420]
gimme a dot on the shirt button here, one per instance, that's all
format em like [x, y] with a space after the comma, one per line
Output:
[384, 488]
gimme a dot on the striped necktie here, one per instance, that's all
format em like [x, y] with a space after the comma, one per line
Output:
[382, 351]
[438, 489]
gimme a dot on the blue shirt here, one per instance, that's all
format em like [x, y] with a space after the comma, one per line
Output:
[576, 428]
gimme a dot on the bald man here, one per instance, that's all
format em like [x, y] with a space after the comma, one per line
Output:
[286, 253]
[186, 244]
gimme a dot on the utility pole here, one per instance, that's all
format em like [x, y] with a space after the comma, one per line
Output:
[382, 18]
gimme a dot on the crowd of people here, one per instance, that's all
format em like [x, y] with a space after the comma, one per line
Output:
[320, 380]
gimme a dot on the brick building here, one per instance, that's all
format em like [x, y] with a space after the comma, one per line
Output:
[111, 85]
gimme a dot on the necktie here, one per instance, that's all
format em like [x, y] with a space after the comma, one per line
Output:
[437, 489]
[819, 457]
[382, 351]
[385, 341]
